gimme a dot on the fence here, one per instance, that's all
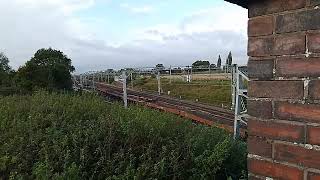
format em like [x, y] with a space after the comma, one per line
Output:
[204, 85]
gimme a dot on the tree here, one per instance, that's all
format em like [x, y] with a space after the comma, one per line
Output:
[49, 69]
[4, 63]
[219, 62]
[6, 72]
[159, 67]
[229, 59]
[201, 64]
[213, 66]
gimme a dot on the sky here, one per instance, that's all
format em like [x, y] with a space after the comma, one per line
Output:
[104, 34]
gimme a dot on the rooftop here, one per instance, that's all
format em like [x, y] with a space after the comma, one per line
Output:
[243, 3]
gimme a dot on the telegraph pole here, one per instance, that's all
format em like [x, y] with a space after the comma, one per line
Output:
[124, 83]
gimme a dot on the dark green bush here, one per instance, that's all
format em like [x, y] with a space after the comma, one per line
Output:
[64, 136]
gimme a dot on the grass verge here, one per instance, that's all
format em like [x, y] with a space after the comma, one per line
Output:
[70, 136]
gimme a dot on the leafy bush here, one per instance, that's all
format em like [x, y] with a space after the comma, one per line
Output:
[68, 136]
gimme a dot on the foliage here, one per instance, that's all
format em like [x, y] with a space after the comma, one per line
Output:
[201, 64]
[66, 136]
[6, 73]
[229, 59]
[160, 67]
[48, 69]
[219, 62]
[4, 63]
[7, 85]
[213, 66]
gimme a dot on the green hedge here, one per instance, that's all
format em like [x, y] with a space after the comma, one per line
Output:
[68, 136]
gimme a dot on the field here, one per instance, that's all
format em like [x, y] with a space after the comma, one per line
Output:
[202, 77]
[214, 91]
[80, 136]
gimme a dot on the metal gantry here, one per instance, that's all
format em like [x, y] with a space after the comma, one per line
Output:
[239, 85]
[239, 98]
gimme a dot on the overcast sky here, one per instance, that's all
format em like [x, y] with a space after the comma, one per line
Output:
[102, 34]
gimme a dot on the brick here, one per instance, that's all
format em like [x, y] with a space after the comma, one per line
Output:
[298, 21]
[261, 46]
[297, 154]
[277, 130]
[259, 146]
[314, 2]
[290, 44]
[251, 177]
[257, 8]
[313, 135]
[274, 170]
[309, 113]
[313, 176]
[261, 69]
[260, 26]
[314, 89]
[260, 109]
[298, 67]
[313, 42]
[276, 89]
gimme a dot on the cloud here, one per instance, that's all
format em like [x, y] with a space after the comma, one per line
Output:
[145, 9]
[28, 25]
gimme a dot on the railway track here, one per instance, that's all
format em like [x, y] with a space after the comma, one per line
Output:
[204, 114]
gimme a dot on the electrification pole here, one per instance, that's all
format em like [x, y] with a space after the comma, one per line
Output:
[124, 83]
[131, 80]
[93, 84]
[236, 108]
[159, 83]
[170, 71]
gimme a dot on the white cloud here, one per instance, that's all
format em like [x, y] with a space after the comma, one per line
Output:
[145, 9]
[28, 25]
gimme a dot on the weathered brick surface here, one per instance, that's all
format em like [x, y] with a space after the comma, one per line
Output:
[281, 33]
[277, 171]
[261, 69]
[298, 21]
[260, 109]
[297, 154]
[314, 2]
[290, 44]
[257, 8]
[276, 89]
[251, 177]
[277, 130]
[314, 89]
[313, 135]
[314, 42]
[261, 26]
[261, 46]
[313, 176]
[298, 67]
[259, 146]
[298, 112]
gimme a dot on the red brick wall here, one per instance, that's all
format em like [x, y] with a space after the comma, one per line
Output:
[284, 105]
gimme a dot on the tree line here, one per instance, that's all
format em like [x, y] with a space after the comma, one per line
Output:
[206, 64]
[48, 69]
